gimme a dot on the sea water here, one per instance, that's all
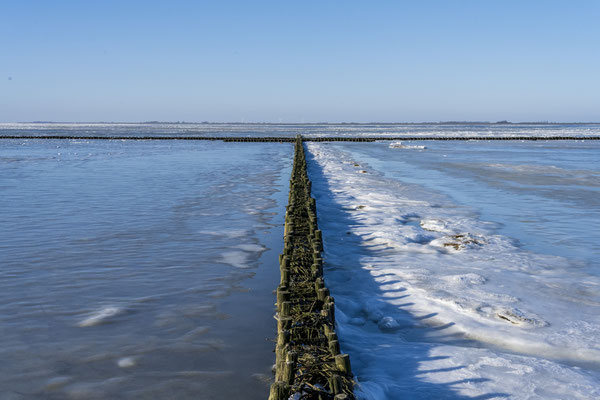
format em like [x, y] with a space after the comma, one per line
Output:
[146, 269]
[464, 269]
[139, 269]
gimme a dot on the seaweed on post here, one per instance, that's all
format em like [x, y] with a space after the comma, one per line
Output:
[308, 360]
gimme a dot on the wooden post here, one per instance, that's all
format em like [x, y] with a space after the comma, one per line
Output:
[317, 270]
[318, 235]
[284, 323]
[317, 257]
[322, 293]
[319, 283]
[283, 338]
[335, 384]
[342, 396]
[334, 347]
[284, 262]
[342, 361]
[281, 354]
[279, 391]
[330, 307]
[285, 277]
[282, 295]
[286, 308]
[290, 367]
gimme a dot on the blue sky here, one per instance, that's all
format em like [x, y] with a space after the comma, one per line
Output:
[283, 61]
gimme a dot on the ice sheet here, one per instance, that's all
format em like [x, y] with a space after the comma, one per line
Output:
[332, 129]
[433, 301]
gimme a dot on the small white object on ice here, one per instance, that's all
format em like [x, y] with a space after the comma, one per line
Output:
[126, 362]
[399, 145]
[388, 324]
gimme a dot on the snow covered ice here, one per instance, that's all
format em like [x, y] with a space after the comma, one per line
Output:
[434, 302]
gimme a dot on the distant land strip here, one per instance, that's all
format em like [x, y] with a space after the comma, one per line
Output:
[291, 139]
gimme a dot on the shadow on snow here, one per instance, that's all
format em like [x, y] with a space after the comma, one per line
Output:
[388, 363]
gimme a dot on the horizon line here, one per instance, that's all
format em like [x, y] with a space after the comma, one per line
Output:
[503, 122]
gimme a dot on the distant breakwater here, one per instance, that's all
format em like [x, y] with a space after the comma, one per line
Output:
[308, 358]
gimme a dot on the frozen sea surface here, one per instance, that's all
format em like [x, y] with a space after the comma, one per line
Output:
[206, 129]
[134, 269]
[466, 269]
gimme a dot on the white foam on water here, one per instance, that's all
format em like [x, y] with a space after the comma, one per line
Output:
[57, 382]
[431, 301]
[101, 316]
[229, 233]
[252, 248]
[237, 259]
[126, 362]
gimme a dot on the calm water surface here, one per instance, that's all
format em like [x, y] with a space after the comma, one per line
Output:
[139, 269]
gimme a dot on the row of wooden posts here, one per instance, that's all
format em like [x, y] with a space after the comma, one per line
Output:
[308, 358]
[403, 138]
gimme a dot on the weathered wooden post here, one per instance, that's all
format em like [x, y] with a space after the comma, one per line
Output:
[279, 391]
[342, 361]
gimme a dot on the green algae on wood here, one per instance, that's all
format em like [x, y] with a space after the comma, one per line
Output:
[308, 360]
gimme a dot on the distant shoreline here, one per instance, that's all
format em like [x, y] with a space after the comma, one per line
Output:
[544, 123]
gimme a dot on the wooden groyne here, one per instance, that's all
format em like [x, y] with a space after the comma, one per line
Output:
[201, 138]
[308, 360]
[288, 139]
